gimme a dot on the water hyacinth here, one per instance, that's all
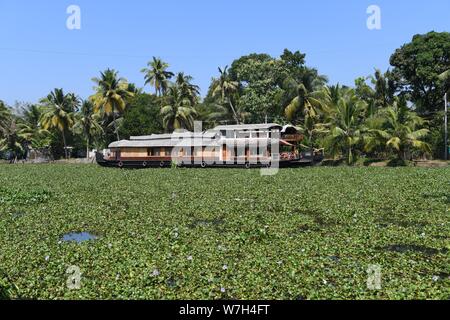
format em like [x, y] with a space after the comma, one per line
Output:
[311, 226]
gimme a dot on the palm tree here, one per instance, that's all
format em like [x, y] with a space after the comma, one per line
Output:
[400, 131]
[4, 111]
[186, 89]
[87, 123]
[345, 122]
[384, 88]
[307, 104]
[58, 113]
[9, 135]
[178, 112]
[30, 127]
[10, 138]
[445, 78]
[111, 95]
[219, 113]
[157, 75]
[226, 88]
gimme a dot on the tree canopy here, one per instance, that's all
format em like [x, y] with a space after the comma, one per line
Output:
[417, 67]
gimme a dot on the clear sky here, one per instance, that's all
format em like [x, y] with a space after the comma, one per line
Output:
[39, 53]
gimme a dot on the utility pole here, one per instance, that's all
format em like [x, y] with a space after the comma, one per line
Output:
[445, 128]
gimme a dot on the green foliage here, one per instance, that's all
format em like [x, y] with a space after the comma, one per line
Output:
[345, 120]
[417, 67]
[111, 97]
[308, 233]
[59, 113]
[31, 129]
[88, 124]
[18, 197]
[10, 138]
[401, 130]
[157, 75]
[142, 116]
[177, 112]
[225, 88]
[186, 89]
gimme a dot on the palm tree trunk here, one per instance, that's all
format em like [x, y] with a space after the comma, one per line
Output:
[115, 124]
[65, 144]
[234, 111]
[350, 155]
[87, 148]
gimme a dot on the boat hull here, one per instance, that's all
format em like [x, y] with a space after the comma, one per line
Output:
[143, 164]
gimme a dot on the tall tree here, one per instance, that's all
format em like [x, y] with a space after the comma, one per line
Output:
[31, 129]
[157, 75]
[4, 113]
[186, 88]
[178, 112]
[345, 120]
[58, 113]
[307, 104]
[417, 66]
[10, 138]
[401, 131]
[142, 117]
[87, 123]
[444, 77]
[111, 95]
[225, 87]
[384, 88]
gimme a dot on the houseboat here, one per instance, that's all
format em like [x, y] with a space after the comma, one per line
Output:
[250, 145]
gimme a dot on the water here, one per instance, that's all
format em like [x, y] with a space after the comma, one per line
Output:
[78, 237]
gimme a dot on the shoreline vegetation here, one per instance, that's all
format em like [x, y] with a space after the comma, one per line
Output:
[395, 115]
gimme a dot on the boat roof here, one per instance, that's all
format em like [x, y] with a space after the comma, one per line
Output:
[259, 126]
[185, 134]
[163, 143]
[170, 143]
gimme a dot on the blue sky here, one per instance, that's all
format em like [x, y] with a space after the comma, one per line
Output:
[38, 52]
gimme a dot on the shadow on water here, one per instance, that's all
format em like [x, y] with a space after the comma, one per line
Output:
[18, 214]
[79, 237]
[385, 222]
[405, 248]
[443, 196]
[216, 223]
